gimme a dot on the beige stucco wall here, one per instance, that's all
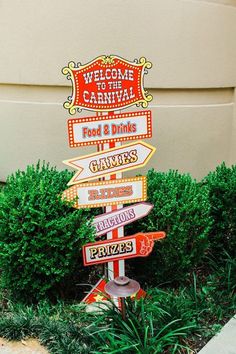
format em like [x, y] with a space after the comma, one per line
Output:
[191, 44]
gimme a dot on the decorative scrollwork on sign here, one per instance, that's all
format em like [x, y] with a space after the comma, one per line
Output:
[146, 64]
[148, 98]
[69, 75]
[108, 59]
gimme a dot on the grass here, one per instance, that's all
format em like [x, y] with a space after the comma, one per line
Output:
[178, 320]
[148, 329]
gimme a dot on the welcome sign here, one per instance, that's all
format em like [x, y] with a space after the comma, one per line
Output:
[107, 83]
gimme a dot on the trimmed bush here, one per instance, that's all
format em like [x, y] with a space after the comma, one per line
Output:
[181, 209]
[40, 235]
[222, 193]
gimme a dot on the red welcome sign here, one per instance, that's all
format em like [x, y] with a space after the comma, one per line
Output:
[107, 83]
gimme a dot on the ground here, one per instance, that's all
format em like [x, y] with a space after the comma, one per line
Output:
[30, 346]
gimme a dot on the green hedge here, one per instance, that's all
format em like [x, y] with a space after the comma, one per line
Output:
[40, 236]
[181, 209]
[221, 184]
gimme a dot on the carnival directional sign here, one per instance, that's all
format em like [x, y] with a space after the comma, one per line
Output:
[108, 162]
[113, 192]
[109, 221]
[138, 245]
[110, 128]
[107, 83]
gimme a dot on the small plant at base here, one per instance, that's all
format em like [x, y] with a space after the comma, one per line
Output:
[147, 329]
[168, 321]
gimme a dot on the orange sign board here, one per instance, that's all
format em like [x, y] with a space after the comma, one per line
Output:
[138, 245]
[107, 83]
[104, 193]
[108, 162]
[110, 128]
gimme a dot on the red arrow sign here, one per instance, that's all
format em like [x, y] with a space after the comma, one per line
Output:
[138, 245]
[107, 162]
[107, 222]
[110, 128]
[107, 83]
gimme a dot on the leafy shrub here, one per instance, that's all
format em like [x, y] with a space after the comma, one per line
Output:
[214, 295]
[40, 236]
[221, 184]
[181, 209]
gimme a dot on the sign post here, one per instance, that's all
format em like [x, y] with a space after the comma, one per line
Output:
[117, 267]
[106, 85]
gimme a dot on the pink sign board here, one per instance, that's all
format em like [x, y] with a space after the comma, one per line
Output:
[109, 221]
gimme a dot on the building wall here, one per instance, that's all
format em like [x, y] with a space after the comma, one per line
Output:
[191, 44]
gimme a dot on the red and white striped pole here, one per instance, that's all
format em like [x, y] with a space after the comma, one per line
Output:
[116, 268]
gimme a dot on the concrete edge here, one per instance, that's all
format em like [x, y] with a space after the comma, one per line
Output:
[223, 342]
